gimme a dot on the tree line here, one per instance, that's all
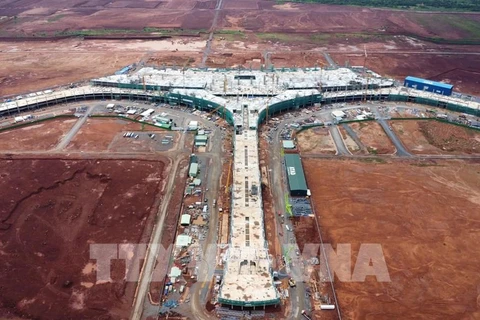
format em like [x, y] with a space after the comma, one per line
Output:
[463, 5]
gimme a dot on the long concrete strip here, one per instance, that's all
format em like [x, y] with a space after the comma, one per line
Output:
[338, 140]
[401, 150]
[354, 137]
[69, 136]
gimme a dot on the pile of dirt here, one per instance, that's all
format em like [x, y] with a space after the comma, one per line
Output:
[451, 138]
[316, 140]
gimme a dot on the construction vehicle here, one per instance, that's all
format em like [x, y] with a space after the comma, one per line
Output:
[292, 283]
[215, 110]
[305, 315]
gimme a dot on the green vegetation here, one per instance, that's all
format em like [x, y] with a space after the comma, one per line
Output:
[55, 18]
[280, 37]
[237, 32]
[317, 38]
[459, 5]
[288, 206]
[174, 31]
[230, 35]
[470, 28]
[372, 160]
[105, 32]
[372, 150]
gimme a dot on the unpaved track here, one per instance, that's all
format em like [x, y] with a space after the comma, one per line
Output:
[208, 46]
[69, 136]
[155, 244]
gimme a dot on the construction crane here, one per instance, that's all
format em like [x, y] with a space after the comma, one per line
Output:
[365, 73]
[215, 110]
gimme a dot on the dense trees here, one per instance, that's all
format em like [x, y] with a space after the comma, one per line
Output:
[464, 5]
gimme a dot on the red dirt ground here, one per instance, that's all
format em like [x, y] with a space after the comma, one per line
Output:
[433, 137]
[316, 140]
[98, 134]
[462, 70]
[424, 217]
[292, 17]
[33, 65]
[301, 32]
[51, 211]
[373, 137]
[37, 137]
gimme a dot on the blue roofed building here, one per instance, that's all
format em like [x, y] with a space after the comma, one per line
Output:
[428, 85]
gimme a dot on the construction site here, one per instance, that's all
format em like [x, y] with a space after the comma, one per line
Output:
[246, 173]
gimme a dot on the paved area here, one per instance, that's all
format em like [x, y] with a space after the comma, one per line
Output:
[338, 140]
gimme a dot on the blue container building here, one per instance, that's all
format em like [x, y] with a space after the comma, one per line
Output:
[428, 85]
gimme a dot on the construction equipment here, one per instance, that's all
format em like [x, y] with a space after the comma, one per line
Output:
[292, 283]
[305, 315]
[215, 110]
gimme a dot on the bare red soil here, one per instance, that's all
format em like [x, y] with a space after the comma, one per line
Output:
[461, 70]
[100, 134]
[51, 211]
[293, 34]
[433, 137]
[37, 137]
[424, 216]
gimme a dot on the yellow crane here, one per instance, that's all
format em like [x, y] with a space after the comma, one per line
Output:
[215, 110]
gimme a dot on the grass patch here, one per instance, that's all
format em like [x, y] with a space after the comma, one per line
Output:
[372, 150]
[459, 23]
[105, 32]
[55, 18]
[230, 35]
[373, 160]
[281, 37]
[469, 26]
[431, 5]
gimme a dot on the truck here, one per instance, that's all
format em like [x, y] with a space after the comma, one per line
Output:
[305, 315]
[292, 283]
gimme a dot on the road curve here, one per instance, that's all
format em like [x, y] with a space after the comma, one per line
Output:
[338, 140]
[401, 150]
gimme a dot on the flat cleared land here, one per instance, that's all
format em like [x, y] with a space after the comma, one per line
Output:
[35, 65]
[144, 143]
[433, 137]
[51, 211]
[351, 145]
[459, 69]
[98, 135]
[373, 137]
[316, 140]
[36, 137]
[425, 217]
[294, 34]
